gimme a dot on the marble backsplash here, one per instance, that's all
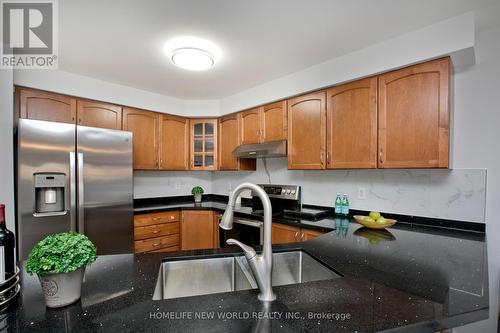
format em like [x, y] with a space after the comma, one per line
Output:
[152, 184]
[458, 194]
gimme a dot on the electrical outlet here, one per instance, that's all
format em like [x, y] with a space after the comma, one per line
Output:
[361, 193]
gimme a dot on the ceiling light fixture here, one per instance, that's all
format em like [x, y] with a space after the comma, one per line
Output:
[193, 53]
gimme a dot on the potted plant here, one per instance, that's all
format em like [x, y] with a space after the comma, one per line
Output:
[59, 261]
[197, 191]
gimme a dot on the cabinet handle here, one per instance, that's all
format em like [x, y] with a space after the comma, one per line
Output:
[172, 217]
[156, 244]
[328, 157]
[322, 158]
[296, 234]
[381, 160]
[156, 231]
[302, 236]
[156, 218]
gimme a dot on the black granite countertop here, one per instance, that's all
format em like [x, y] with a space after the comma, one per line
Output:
[407, 278]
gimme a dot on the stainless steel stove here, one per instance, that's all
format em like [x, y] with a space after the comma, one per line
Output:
[249, 230]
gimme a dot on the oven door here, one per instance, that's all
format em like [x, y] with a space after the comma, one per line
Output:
[249, 232]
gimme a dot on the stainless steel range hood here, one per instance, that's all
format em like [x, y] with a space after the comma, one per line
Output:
[269, 149]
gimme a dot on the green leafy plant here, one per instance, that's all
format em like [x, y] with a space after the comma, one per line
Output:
[197, 190]
[61, 253]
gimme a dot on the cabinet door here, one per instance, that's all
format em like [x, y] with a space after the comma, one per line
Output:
[203, 144]
[144, 126]
[307, 131]
[352, 125]
[274, 122]
[97, 114]
[282, 233]
[198, 230]
[414, 116]
[308, 234]
[229, 139]
[250, 126]
[174, 143]
[41, 105]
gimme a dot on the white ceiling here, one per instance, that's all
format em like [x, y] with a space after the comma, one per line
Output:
[261, 40]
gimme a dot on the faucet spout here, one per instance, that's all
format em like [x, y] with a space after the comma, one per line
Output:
[261, 265]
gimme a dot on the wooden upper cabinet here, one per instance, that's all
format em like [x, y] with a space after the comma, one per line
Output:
[41, 105]
[229, 139]
[274, 122]
[203, 138]
[97, 114]
[307, 131]
[250, 126]
[174, 143]
[144, 126]
[352, 125]
[414, 115]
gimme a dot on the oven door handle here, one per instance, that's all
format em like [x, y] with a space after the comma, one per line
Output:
[250, 223]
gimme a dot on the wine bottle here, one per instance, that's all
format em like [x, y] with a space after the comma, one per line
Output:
[6, 248]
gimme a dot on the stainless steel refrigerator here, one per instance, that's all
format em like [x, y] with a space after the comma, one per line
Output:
[74, 178]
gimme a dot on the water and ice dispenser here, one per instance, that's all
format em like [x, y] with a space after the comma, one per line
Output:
[49, 193]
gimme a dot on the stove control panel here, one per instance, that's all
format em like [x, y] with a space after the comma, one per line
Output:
[291, 192]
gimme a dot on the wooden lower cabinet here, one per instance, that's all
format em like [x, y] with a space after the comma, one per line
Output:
[308, 234]
[199, 230]
[283, 233]
[157, 232]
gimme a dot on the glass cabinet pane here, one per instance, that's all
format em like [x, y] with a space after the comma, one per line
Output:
[198, 146]
[198, 160]
[209, 129]
[209, 145]
[209, 160]
[198, 129]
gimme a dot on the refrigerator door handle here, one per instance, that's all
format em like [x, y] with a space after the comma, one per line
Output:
[72, 190]
[80, 194]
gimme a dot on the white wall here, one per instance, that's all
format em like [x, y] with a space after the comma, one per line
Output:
[453, 37]
[6, 146]
[87, 87]
[476, 138]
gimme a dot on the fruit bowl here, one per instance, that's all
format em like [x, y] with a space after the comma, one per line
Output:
[373, 224]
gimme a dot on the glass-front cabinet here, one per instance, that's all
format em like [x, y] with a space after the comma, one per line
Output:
[203, 144]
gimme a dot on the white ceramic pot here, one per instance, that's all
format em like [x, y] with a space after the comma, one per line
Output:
[197, 197]
[62, 289]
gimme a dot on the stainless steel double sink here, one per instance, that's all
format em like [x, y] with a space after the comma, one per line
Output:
[191, 277]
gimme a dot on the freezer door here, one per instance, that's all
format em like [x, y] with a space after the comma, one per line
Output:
[105, 188]
[45, 179]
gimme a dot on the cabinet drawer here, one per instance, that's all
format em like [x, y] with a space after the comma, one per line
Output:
[151, 244]
[168, 249]
[155, 218]
[156, 230]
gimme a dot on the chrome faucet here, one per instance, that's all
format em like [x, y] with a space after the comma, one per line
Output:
[262, 264]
